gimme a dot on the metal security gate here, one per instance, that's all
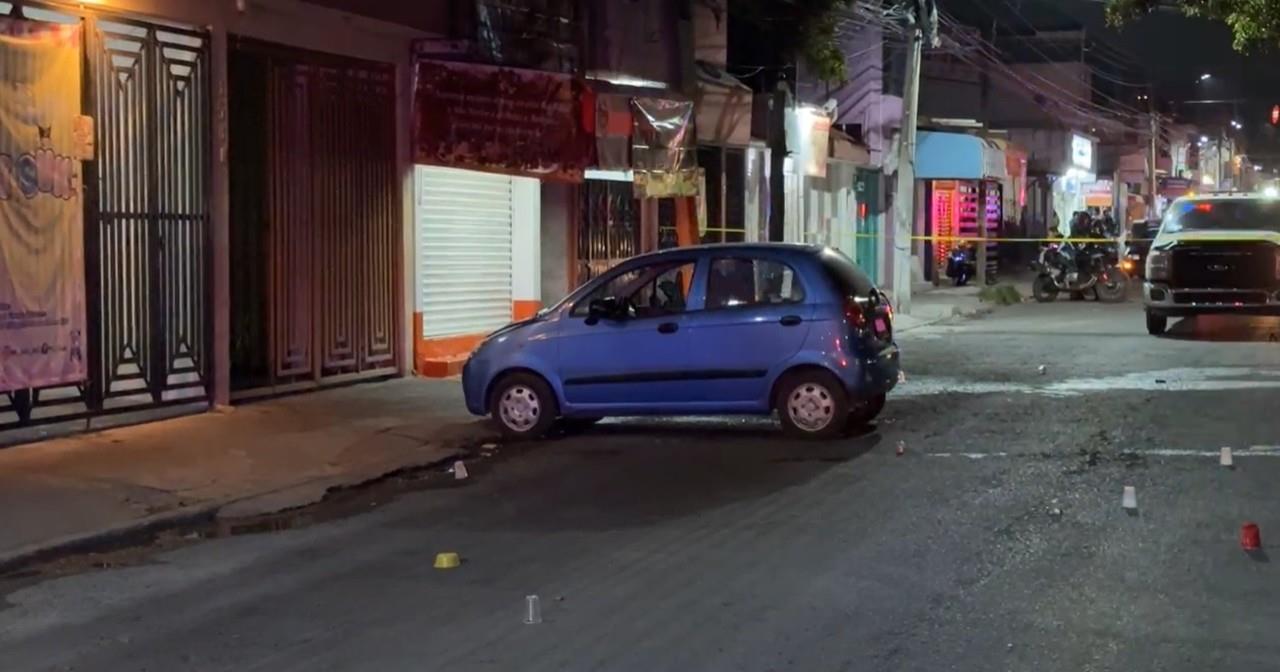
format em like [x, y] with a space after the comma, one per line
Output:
[463, 251]
[146, 221]
[315, 219]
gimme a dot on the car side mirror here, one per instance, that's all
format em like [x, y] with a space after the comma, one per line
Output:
[605, 308]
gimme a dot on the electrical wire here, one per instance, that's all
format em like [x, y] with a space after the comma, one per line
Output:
[1092, 113]
[1034, 48]
[996, 59]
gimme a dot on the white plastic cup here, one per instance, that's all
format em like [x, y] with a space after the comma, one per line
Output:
[1130, 498]
[533, 610]
[1225, 459]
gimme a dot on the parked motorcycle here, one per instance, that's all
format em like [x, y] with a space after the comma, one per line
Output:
[1069, 267]
[962, 264]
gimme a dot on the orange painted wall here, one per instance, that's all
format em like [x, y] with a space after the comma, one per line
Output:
[444, 357]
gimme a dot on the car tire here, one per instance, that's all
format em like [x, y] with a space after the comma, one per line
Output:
[812, 404]
[523, 406]
[1156, 324]
[866, 410]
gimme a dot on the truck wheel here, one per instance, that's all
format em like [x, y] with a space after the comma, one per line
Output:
[1156, 324]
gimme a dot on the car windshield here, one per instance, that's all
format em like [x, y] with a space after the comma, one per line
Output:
[1243, 214]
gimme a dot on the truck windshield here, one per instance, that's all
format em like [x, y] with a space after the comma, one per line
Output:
[1242, 214]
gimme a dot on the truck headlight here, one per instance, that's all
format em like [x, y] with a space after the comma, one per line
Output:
[1158, 265]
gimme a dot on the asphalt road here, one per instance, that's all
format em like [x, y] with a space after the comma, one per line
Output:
[996, 542]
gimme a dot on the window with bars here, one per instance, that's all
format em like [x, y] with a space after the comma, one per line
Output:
[608, 227]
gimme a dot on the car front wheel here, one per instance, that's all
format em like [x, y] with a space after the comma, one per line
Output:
[812, 405]
[523, 406]
[1156, 324]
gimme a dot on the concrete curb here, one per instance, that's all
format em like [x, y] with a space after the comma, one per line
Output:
[956, 311]
[125, 534]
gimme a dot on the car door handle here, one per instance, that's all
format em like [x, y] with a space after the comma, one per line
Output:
[668, 328]
[790, 320]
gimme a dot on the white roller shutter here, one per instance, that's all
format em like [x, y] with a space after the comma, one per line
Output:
[463, 251]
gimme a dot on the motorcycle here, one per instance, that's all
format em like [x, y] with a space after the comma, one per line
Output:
[1077, 269]
[962, 264]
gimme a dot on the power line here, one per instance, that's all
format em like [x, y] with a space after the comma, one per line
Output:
[1082, 107]
[1026, 22]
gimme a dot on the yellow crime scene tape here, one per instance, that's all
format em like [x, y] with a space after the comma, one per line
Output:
[989, 239]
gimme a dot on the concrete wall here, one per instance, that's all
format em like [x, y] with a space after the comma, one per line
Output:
[1009, 103]
[710, 33]
[638, 38]
[305, 26]
[557, 211]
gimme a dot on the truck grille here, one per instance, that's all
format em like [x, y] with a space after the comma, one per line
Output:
[1224, 265]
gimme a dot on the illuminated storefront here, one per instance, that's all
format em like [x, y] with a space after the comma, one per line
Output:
[962, 177]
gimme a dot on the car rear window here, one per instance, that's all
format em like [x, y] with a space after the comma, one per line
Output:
[850, 279]
[1246, 214]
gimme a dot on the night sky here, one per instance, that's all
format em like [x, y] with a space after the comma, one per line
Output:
[1171, 51]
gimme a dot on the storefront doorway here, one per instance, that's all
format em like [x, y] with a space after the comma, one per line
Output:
[315, 219]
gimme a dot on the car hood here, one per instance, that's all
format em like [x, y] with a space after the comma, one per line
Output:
[514, 326]
[1166, 240]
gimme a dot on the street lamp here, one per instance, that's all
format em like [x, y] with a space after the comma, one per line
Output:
[1205, 76]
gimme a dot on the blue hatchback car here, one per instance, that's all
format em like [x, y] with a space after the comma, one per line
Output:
[716, 329]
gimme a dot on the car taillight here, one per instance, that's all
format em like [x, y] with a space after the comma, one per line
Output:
[854, 314]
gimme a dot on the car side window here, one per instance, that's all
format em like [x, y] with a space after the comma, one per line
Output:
[745, 282]
[657, 289]
[666, 294]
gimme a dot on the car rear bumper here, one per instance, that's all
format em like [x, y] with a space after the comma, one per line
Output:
[1161, 299]
[876, 374]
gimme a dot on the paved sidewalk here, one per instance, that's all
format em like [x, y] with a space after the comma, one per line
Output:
[930, 305]
[253, 459]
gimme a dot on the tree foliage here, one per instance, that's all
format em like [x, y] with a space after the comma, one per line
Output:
[800, 29]
[1252, 22]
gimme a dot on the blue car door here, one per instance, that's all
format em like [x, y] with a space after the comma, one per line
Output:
[754, 320]
[631, 361]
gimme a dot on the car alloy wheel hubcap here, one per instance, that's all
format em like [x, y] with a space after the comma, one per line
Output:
[519, 408]
[811, 407]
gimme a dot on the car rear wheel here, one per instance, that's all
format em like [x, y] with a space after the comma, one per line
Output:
[1156, 324]
[523, 406]
[812, 405]
[866, 410]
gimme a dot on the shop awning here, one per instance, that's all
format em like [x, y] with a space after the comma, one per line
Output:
[958, 156]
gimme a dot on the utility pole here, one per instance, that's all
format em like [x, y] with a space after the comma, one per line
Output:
[1219, 160]
[1155, 155]
[904, 198]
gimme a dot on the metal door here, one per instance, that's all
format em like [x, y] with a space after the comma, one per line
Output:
[316, 218]
[146, 220]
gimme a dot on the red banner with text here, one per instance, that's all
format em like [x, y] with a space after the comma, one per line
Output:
[520, 122]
